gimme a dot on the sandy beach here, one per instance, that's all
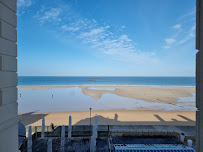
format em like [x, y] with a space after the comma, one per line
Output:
[113, 117]
[153, 94]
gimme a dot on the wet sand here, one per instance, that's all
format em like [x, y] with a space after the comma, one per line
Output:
[159, 94]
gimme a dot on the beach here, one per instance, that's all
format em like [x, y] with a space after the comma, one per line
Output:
[161, 106]
[112, 117]
[160, 94]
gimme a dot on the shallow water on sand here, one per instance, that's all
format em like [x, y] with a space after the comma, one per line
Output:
[72, 99]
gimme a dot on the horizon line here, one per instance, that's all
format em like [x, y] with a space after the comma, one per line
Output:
[97, 76]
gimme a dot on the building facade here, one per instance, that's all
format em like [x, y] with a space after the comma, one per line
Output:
[199, 76]
[8, 77]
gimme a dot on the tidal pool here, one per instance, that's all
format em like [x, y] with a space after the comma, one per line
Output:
[72, 99]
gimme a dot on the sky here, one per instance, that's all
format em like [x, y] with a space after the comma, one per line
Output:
[106, 37]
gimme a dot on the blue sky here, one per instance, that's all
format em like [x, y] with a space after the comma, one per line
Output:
[106, 37]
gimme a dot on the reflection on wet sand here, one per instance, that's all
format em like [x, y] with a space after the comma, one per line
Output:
[73, 99]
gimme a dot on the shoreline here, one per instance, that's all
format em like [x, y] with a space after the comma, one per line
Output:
[90, 85]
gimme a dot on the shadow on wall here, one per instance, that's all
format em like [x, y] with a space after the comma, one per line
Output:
[106, 121]
[29, 118]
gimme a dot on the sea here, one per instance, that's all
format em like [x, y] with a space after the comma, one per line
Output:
[103, 81]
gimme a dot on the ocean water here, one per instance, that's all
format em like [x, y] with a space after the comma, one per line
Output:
[88, 80]
[72, 99]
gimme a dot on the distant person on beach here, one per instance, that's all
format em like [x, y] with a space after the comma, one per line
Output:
[52, 96]
[20, 95]
[116, 117]
[51, 127]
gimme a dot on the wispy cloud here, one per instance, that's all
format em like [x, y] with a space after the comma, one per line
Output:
[93, 32]
[177, 26]
[189, 36]
[181, 32]
[24, 3]
[120, 47]
[170, 41]
[49, 14]
[96, 35]
[166, 46]
[187, 15]
[70, 28]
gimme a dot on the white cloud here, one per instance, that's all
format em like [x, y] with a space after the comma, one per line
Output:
[166, 47]
[187, 15]
[72, 29]
[97, 36]
[123, 27]
[125, 51]
[170, 41]
[52, 14]
[177, 26]
[124, 38]
[181, 38]
[107, 27]
[24, 3]
[182, 32]
[189, 36]
[93, 32]
[119, 47]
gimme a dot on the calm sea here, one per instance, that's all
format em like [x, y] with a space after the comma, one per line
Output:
[88, 80]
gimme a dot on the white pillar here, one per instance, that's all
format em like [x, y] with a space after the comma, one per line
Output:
[182, 138]
[49, 145]
[43, 128]
[96, 121]
[70, 127]
[29, 142]
[189, 143]
[63, 139]
[96, 127]
[94, 136]
[92, 144]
